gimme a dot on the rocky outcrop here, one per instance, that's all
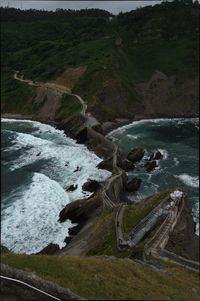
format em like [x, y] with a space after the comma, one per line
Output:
[135, 154]
[150, 165]
[4, 249]
[183, 241]
[51, 249]
[91, 186]
[156, 156]
[80, 210]
[133, 185]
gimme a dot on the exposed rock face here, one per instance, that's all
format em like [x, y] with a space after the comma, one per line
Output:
[133, 185]
[183, 241]
[135, 154]
[162, 97]
[50, 249]
[91, 186]
[150, 165]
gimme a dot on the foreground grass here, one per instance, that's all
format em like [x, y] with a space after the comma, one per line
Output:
[111, 279]
[133, 214]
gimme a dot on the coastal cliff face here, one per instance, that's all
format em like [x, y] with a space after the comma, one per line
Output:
[183, 241]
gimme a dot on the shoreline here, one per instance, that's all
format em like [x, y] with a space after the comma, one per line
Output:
[116, 126]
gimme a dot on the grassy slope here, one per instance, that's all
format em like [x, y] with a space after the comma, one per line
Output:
[100, 278]
[135, 213]
[70, 107]
[104, 234]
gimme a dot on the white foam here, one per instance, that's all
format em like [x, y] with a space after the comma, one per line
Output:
[133, 137]
[195, 211]
[31, 223]
[176, 161]
[189, 180]
[138, 122]
[59, 154]
[164, 153]
[47, 184]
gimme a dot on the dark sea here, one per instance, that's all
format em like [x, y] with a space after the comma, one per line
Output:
[178, 141]
[37, 163]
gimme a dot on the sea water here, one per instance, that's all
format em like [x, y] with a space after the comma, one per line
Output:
[178, 141]
[37, 163]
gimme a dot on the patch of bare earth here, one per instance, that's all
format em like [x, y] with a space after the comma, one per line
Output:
[49, 100]
[70, 76]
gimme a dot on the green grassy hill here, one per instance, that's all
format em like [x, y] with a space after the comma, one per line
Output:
[121, 55]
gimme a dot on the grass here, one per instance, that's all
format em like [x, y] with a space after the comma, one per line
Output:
[110, 279]
[104, 236]
[16, 97]
[69, 108]
[133, 214]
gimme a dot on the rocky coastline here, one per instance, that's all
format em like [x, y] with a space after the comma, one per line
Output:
[85, 211]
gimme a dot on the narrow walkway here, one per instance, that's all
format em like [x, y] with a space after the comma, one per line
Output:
[91, 121]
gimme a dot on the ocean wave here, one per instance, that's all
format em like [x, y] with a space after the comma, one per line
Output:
[120, 130]
[32, 222]
[189, 180]
[36, 149]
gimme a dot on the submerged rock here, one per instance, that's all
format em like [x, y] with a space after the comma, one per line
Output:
[72, 187]
[135, 154]
[133, 185]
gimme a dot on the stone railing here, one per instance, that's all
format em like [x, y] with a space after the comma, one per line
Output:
[155, 246]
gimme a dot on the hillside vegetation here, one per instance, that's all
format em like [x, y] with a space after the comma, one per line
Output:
[141, 62]
[110, 279]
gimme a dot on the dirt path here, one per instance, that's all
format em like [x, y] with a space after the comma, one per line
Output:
[91, 121]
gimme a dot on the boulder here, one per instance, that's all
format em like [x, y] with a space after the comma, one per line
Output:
[150, 165]
[106, 164]
[127, 165]
[72, 187]
[91, 186]
[135, 154]
[133, 185]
